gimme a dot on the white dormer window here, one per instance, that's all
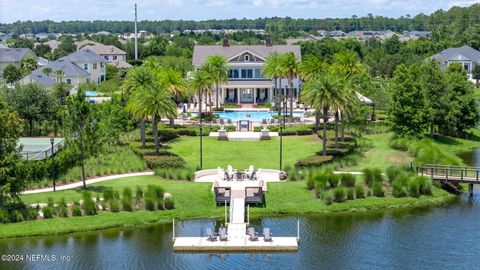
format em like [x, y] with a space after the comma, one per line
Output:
[246, 58]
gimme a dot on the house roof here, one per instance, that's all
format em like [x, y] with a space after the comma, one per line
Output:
[84, 55]
[201, 52]
[12, 55]
[83, 43]
[101, 49]
[41, 78]
[68, 68]
[119, 64]
[457, 54]
[42, 61]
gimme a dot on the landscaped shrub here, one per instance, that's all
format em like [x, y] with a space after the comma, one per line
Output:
[327, 197]
[359, 192]
[333, 179]
[31, 214]
[114, 206]
[127, 193]
[350, 193]
[169, 203]
[62, 202]
[127, 204]
[310, 183]
[377, 189]
[313, 161]
[399, 143]
[50, 202]
[16, 216]
[4, 217]
[339, 194]
[347, 179]
[160, 205]
[320, 180]
[156, 192]
[138, 193]
[76, 211]
[47, 212]
[149, 203]
[164, 161]
[89, 206]
[371, 175]
[392, 172]
[400, 186]
[425, 185]
[107, 194]
[116, 195]
[414, 187]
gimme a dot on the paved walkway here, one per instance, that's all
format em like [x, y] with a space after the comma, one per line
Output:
[88, 182]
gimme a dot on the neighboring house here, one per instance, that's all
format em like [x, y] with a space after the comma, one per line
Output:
[83, 66]
[246, 82]
[90, 62]
[53, 44]
[381, 35]
[468, 57]
[417, 34]
[86, 42]
[13, 56]
[42, 61]
[112, 55]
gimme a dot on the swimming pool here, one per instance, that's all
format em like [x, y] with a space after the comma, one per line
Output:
[255, 116]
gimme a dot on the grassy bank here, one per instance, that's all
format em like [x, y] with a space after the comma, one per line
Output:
[194, 200]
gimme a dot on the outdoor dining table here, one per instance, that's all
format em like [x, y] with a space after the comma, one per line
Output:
[239, 176]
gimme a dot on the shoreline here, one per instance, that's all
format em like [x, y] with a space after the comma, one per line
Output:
[140, 218]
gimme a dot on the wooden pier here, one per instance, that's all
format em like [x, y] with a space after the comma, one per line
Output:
[237, 195]
[454, 174]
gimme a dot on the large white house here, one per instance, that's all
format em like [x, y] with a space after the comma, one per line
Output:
[246, 82]
[112, 55]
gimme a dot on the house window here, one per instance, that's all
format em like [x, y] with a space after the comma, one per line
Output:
[88, 80]
[466, 66]
[114, 57]
[106, 57]
[247, 73]
[236, 74]
[101, 64]
[258, 73]
[233, 74]
[94, 65]
[246, 58]
[102, 78]
[69, 81]
[85, 66]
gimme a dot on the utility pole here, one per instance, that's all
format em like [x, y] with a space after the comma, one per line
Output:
[136, 48]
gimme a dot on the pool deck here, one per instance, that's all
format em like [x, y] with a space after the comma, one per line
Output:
[243, 136]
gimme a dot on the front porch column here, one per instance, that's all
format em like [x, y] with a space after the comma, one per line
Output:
[270, 94]
[254, 96]
[238, 97]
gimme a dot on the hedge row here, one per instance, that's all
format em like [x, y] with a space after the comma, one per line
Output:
[290, 130]
[313, 161]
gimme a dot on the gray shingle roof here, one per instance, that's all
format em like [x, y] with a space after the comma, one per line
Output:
[84, 55]
[201, 52]
[41, 78]
[68, 68]
[12, 55]
[462, 53]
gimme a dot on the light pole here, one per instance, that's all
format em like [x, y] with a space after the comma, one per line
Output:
[52, 142]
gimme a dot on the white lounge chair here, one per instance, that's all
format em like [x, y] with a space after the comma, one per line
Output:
[250, 172]
[230, 171]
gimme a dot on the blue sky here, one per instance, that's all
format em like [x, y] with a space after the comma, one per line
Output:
[58, 10]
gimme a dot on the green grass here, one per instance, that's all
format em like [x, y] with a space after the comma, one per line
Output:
[195, 200]
[241, 154]
[119, 159]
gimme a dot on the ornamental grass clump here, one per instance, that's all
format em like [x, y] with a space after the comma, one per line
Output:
[107, 194]
[333, 179]
[89, 206]
[327, 197]
[392, 172]
[47, 212]
[138, 194]
[76, 210]
[114, 206]
[377, 189]
[149, 203]
[372, 175]
[347, 179]
[414, 187]
[400, 186]
[339, 194]
[169, 203]
[350, 193]
[359, 192]
[4, 218]
[17, 216]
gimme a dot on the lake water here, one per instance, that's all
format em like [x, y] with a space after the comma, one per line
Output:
[429, 238]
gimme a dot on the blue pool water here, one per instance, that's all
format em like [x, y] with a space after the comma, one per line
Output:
[254, 116]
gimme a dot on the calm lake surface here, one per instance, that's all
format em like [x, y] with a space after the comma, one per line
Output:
[445, 237]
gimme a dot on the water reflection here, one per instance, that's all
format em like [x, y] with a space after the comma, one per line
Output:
[430, 238]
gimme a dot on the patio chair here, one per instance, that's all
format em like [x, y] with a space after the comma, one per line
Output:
[222, 122]
[250, 172]
[211, 235]
[223, 234]
[253, 235]
[229, 121]
[214, 121]
[264, 121]
[230, 171]
[267, 235]
[226, 177]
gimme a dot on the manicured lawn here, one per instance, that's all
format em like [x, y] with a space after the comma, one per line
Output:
[241, 154]
[195, 200]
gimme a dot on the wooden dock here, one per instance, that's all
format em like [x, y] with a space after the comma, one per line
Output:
[453, 174]
[237, 238]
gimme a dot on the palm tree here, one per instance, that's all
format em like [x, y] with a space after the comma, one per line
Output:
[155, 101]
[289, 66]
[173, 81]
[47, 71]
[218, 71]
[210, 70]
[59, 75]
[324, 94]
[271, 70]
[202, 81]
[138, 78]
[347, 64]
[312, 67]
[29, 63]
